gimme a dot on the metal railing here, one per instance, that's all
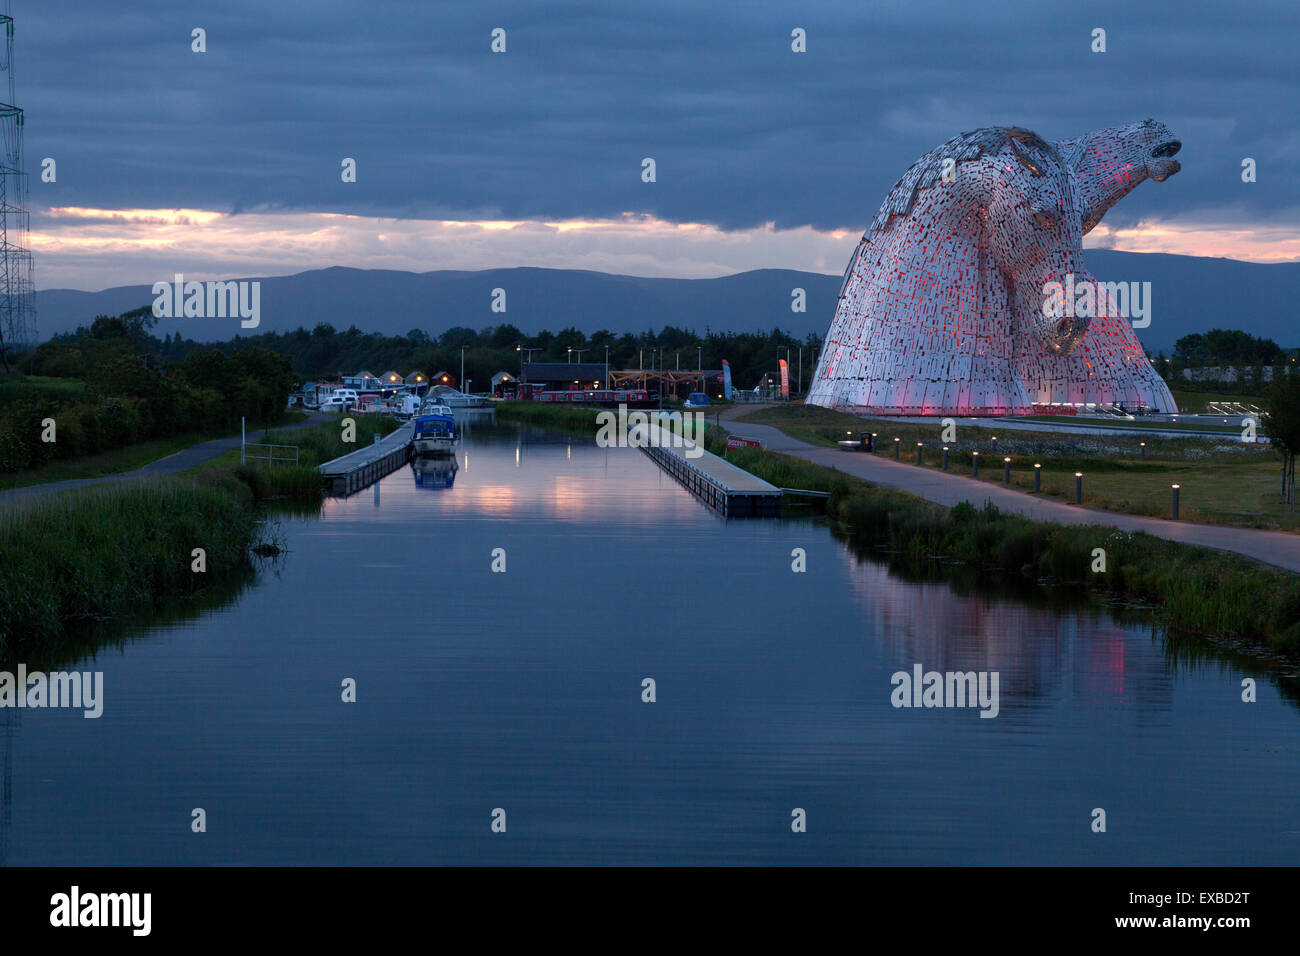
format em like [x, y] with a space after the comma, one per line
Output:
[271, 458]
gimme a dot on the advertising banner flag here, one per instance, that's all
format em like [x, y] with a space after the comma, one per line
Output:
[785, 379]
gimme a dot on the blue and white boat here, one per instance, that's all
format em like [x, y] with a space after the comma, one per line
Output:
[435, 435]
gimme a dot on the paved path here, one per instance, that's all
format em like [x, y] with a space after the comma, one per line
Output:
[175, 463]
[946, 488]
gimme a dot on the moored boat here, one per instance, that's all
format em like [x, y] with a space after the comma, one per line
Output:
[435, 435]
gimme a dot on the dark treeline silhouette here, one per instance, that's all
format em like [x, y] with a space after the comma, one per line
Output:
[326, 352]
[1227, 347]
[117, 388]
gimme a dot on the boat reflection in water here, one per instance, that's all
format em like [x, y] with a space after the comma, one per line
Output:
[433, 472]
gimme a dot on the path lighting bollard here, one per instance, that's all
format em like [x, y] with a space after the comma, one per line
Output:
[898, 443]
[1175, 487]
[945, 457]
[1078, 487]
[974, 464]
[918, 453]
[1038, 478]
[1006, 471]
[1143, 445]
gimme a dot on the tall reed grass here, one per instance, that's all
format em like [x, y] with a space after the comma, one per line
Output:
[78, 557]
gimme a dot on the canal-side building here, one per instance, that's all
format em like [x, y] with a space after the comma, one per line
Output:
[362, 381]
[564, 376]
[504, 384]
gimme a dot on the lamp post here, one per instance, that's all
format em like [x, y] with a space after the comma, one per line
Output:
[898, 442]
[462, 365]
[1038, 478]
[945, 457]
[1006, 471]
[918, 453]
[606, 366]
[974, 464]
[521, 350]
[1175, 506]
[1078, 487]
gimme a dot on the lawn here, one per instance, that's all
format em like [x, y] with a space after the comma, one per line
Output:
[1222, 481]
[1208, 423]
[1196, 401]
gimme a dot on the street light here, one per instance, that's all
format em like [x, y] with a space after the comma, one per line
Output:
[521, 350]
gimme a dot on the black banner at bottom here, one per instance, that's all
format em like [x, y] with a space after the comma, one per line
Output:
[338, 905]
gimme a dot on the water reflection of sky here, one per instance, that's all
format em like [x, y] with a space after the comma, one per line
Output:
[522, 690]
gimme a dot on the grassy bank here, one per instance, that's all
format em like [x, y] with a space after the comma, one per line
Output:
[1223, 480]
[71, 560]
[316, 445]
[569, 418]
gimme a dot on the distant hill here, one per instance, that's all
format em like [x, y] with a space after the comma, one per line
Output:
[1189, 294]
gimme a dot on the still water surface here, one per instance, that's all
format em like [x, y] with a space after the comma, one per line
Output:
[522, 690]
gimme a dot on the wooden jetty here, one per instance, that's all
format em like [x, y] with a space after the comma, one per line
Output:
[369, 463]
[728, 490]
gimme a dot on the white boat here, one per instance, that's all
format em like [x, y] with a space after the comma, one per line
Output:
[435, 435]
[458, 399]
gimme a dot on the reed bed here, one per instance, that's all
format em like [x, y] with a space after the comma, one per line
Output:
[86, 556]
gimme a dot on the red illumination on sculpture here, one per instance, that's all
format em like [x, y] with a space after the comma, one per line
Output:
[943, 310]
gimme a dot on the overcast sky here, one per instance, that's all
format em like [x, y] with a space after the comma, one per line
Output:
[469, 159]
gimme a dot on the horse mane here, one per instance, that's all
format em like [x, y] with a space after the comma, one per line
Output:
[1030, 148]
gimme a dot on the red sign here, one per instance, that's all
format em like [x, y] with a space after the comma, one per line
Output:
[785, 379]
[742, 443]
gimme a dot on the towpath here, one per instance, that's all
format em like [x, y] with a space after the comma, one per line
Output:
[1277, 548]
[172, 464]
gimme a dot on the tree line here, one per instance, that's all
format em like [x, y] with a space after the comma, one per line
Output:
[325, 352]
[128, 392]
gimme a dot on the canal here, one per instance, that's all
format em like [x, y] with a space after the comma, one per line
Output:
[522, 690]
